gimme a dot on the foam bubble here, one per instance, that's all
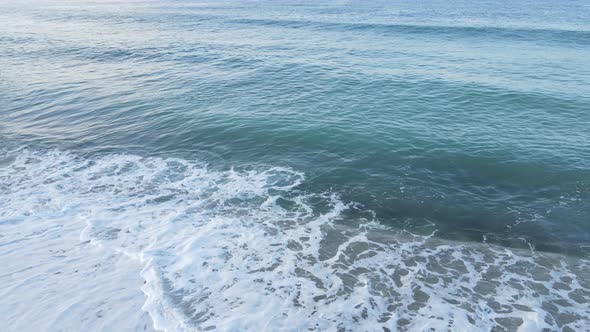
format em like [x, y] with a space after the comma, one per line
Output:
[245, 249]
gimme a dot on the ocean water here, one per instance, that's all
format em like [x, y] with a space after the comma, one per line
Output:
[295, 165]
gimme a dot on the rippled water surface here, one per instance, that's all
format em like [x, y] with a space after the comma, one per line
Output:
[293, 165]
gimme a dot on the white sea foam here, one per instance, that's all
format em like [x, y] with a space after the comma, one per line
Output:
[245, 250]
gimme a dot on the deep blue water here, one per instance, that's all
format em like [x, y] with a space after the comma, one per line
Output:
[470, 119]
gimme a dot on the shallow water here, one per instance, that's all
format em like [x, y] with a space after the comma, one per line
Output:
[295, 165]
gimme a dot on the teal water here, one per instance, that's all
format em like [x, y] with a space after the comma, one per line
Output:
[469, 120]
[475, 121]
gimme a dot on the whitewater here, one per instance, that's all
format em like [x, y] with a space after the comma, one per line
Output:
[95, 242]
[274, 165]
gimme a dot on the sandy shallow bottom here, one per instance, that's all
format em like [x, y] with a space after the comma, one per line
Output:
[53, 281]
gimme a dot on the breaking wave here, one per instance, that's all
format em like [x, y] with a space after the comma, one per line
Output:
[247, 249]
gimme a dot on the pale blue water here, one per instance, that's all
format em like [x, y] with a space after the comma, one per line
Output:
[468, 120]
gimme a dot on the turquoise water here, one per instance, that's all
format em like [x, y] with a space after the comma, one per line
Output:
[466, 122]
